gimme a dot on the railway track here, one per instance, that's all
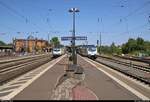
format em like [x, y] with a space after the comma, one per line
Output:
[13, 68]
[145, 60]
[141, 73]
[9, 63]
[20, 58]
[140, 67]
[132, 70]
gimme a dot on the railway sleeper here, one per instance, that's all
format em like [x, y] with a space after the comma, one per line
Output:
[4, 77]
[129, 65]
[127, 73]
[3, 66]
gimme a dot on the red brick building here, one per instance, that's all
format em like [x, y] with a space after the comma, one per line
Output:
[30, 45]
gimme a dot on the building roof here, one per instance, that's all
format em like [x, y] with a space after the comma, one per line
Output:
[30, 40]
[6, 47]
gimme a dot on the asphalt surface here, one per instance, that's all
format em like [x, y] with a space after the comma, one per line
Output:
[103, 86]
[41, 89]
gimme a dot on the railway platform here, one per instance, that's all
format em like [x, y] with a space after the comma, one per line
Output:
[52, 81]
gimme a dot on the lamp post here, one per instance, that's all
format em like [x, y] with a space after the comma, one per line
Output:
[74, 55]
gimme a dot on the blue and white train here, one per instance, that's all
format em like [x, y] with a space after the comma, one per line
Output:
[88, 51]
[58, 51]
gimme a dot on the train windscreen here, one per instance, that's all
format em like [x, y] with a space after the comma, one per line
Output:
[92, 49]
[56, 49]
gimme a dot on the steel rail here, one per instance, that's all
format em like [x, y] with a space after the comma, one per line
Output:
[142, 79]
[128, 73]
[14, 71]
[21, 58]
[143, 68]
[17, 62]
[135, 59]
[20, 65]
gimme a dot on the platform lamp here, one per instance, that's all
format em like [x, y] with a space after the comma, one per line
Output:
[74, 55]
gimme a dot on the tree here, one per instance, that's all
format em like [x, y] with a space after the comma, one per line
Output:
[147, 47]
[130, 46]
[113, 48]
[136, 46]
[55, 41]
[2, 43]
[140, 43]
[105, 49]
[124, 49]
[133, 46]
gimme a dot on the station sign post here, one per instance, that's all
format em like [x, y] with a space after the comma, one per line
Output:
[74, 55]
[71, 38]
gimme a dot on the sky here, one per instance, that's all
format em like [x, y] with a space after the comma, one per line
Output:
[116, 20]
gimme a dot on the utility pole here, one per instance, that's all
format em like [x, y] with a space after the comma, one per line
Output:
[86, 42]
[48, 38]
[100, 42]
[100, 38]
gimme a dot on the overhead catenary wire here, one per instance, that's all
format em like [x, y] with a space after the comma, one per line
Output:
[130, 14]
[19, 14]
[125, 18]
[6, 26]
[130, 30]
[13, 11]
[139, 27]
[138, 9]
[48, 20]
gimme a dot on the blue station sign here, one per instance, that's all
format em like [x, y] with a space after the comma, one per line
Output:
[72, 38]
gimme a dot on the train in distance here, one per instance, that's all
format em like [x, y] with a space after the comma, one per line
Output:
[58, 51]
[88, 51]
